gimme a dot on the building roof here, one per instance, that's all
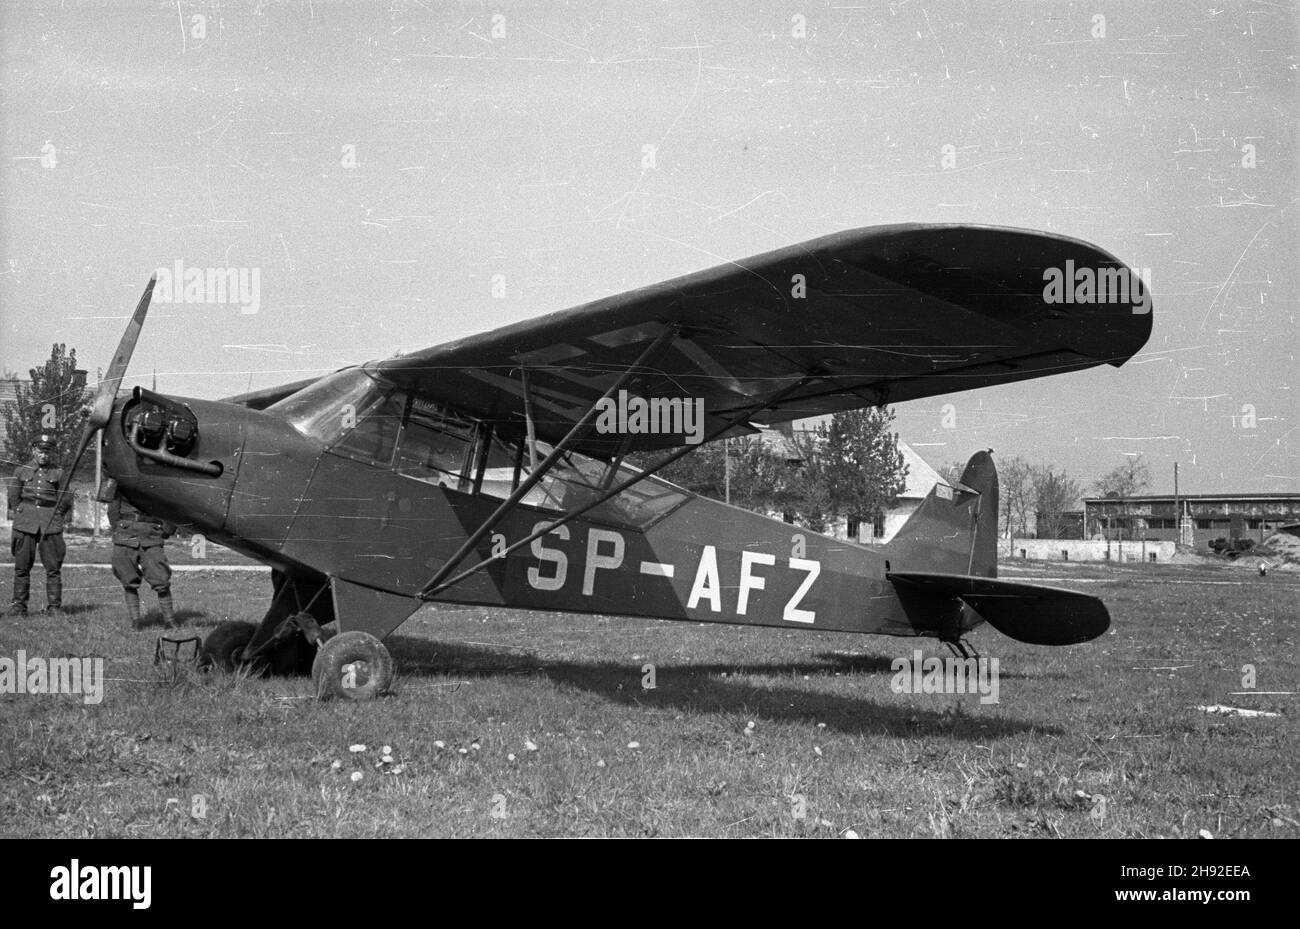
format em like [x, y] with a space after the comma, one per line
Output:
[1198, 498]
[921, 478]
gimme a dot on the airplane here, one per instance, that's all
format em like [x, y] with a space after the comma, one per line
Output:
[488, 470]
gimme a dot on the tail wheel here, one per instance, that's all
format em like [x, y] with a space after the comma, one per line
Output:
[224, 643]
[352, 666]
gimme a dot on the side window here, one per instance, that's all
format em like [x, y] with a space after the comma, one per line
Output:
[436, 447]
[577, 480]
[574, 481]
[375, 435]
[500, 475]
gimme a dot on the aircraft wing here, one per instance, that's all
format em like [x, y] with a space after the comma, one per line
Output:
[865, 317]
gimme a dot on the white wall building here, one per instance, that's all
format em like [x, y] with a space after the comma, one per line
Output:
[921, 479]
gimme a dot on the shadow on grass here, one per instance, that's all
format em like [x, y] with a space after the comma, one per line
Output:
[700, 689]
[195, 620]
[71, 609]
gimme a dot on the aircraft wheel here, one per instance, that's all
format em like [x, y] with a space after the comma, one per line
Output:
[224, 642]
[352, 666]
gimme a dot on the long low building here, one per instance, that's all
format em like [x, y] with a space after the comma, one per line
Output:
[1192, 519]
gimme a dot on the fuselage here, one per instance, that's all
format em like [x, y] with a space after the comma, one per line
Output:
[366, 484]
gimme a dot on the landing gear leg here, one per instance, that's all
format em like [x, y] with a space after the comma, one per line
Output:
[285, 641]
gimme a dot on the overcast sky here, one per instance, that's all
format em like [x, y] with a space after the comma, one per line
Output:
[380, 164]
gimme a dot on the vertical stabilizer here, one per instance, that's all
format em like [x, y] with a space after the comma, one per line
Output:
[953, 532]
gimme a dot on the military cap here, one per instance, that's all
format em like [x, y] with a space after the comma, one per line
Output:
[44, 442]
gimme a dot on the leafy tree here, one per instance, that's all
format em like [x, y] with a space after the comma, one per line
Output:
[851, 467]
[806, 496]
[864, 471]
[699, 471]
[55, 403]
[760, 478]
[1054, 494]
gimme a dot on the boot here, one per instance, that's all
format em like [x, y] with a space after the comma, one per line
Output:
[22, 590]
[132, 607]
[165, 604]
[54, 595]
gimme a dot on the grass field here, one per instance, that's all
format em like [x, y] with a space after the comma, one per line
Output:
[521, 724]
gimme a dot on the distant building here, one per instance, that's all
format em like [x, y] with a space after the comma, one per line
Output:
[921, 479]
[1208, 516]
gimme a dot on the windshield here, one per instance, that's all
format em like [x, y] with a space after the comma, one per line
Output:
[331, 406]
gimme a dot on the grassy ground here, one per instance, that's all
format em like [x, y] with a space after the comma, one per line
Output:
[513, 723]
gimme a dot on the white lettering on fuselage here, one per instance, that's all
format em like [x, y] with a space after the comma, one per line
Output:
[553, 555]
[595, 560]
[606, 550]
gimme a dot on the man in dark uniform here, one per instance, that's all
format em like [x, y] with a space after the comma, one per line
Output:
[37, 509]
[138, 552]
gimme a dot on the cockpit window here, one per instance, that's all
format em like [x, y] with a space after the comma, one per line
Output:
[576, 480]
[437, 446]
[375, 436]
[356, 416]
[330, 407]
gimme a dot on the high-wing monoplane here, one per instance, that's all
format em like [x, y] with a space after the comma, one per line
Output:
[492, 470]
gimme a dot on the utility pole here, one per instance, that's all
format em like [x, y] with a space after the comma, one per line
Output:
[1178, 515]
[726, 470]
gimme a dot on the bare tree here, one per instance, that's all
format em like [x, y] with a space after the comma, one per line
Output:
[1054, 494]
[1123, 482]
[1017, 492]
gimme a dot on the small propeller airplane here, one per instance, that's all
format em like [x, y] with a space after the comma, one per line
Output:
[489, 470]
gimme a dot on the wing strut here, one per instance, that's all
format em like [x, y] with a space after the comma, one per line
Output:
[542, 469]
[528, 418]
[437, 585]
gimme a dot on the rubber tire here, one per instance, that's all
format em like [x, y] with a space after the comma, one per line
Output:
[345, 648]
[223, 642]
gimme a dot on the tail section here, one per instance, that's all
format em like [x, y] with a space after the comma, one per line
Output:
[944, 561]
[955, 530]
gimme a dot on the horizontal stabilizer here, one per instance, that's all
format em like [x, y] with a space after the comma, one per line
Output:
[1025, 612]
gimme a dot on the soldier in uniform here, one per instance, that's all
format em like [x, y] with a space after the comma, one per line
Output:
[138, 553]
[37, 509]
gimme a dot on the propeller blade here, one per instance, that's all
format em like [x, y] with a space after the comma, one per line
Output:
[86, 433]
[106, 393]
[101, 410]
